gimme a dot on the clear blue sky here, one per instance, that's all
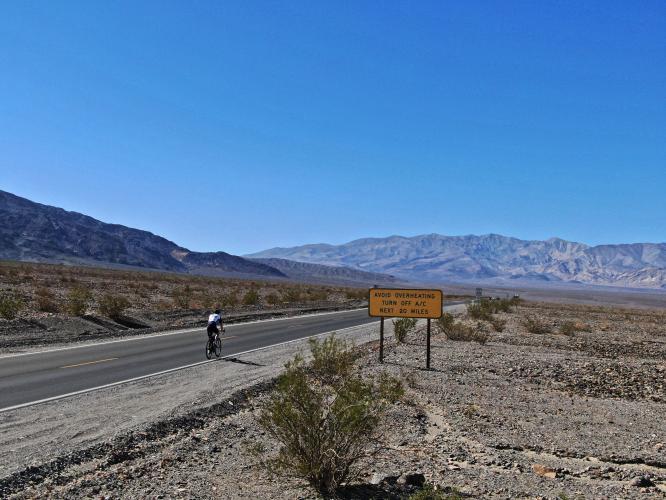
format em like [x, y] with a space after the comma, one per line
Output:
[240, 126]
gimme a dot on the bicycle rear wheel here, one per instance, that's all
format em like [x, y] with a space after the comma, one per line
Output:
[218, 347]
[209, 349]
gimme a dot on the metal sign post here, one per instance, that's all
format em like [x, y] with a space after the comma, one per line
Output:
[428, 347]
[381, 341]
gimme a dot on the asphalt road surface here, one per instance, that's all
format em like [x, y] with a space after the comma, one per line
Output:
[31, 378]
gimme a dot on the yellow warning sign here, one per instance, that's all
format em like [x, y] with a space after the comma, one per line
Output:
[405, 303]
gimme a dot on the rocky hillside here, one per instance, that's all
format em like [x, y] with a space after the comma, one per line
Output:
[495, 258]
[39, 233]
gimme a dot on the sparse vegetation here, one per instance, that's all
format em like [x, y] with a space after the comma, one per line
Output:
[251, 298]
[78, 300]
[182, 297]
[317, 295]
[479, 310]
[498, 324]
[332, 358]
[470, 410]
[45, 300]
[325, 423]
[465, 333]
[357, 294]
[445, 323]
[429, 492]
[402, 327]
[459, 331]
[113, 305]
[10, 305]
[582, 327]
[568, 328]
[485, 309]
[272, 299]
[230, 299]
[292, 294]
[535, 325]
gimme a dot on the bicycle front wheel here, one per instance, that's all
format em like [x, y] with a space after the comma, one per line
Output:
[218, 347]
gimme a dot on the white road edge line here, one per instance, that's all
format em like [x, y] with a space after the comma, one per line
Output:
[172, 332]
[170, 370]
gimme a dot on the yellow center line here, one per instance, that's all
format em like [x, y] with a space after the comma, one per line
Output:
[89, 363]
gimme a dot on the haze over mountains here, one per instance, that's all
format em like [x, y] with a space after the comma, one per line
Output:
[491, 258]
[34, 232]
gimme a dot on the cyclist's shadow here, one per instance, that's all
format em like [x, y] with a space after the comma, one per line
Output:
[241, 361]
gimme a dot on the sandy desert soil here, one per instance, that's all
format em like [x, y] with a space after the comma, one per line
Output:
[524, 416]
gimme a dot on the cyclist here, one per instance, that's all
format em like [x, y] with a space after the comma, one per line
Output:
[214, 324]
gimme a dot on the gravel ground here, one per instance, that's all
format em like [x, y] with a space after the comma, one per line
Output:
[524, 416]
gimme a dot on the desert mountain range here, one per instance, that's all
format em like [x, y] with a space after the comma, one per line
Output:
[491, 258]
[34, 232]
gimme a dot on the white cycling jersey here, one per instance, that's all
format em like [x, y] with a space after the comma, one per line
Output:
[214, 318]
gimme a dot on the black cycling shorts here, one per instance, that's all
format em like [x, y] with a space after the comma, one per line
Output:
[212, 329]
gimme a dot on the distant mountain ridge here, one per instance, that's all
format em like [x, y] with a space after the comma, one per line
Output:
[34, 232]
[324, 274]
[491, 257]
[31, 231]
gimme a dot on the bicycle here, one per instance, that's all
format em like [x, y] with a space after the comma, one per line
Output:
[214, 345]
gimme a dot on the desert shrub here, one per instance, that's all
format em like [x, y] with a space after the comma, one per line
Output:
[356, 294]
[10, 305]
[535, 325]
[291, 294]
[317, 295]
[230, 299]
[331, 359]
[502, 305]
[485, 309]
[568, 328]
[582, 327]
[77, 301]
[113, 305]
[428, 492]
[13, 275]
[251, 298]
[182, 297]
[465, 333]
[45, 300]
[470, 410]
[480, 310]
[324, 425]
[445, 323]
[402, 326]
[163, 305]
[272, 299]
[210, 299]
[498, 324]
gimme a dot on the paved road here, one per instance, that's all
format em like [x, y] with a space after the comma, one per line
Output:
[34, 377]
[30, 378]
